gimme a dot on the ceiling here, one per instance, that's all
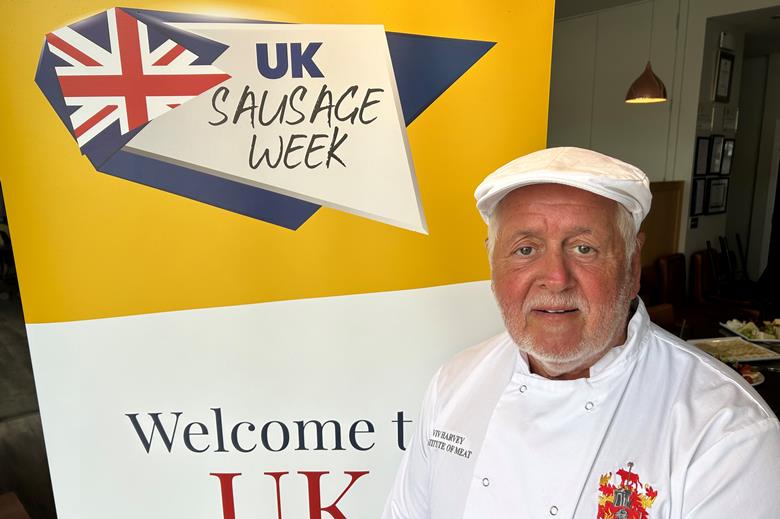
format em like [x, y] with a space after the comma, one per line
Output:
[762, 26]
[566, 8]
[761, 22]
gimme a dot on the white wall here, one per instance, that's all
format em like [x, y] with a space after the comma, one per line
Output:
[587, 109]
[751, 113]
[572, 80]
[712, 226]
[596, 57]
[766, 172]
[690, 60]
[633, 133]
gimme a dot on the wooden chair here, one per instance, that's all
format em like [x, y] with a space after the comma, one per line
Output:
[706, 292]
[661, 313]
[671, 312]
[11, 508]
[671, 279]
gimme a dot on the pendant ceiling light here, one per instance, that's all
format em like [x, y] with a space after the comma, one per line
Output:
[647, 88]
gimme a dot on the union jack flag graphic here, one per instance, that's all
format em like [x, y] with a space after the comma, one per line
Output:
[131, 83]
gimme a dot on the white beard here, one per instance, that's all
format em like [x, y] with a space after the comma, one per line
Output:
[590, 349]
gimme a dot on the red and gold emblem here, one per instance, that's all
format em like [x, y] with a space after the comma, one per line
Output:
[630, 499]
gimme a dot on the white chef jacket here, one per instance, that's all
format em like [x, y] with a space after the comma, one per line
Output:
[496, 441]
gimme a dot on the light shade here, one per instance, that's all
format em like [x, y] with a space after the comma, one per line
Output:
[647, 88]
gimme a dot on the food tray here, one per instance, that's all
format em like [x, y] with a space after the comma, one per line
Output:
[734, 349]
[768, 341]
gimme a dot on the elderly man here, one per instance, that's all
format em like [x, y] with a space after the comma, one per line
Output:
[583, 408]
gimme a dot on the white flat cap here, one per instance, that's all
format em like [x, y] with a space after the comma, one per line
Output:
[576, 167]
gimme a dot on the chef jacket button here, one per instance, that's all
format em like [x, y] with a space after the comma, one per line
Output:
[588, 406]
[553, 510]
[485, 482]
[523, 388]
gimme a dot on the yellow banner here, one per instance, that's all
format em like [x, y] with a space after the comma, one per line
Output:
[90, 245]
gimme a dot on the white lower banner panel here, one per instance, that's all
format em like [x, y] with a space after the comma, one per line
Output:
[294, 409]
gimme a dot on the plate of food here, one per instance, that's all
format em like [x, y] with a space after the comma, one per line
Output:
[768, 331]
[734, 349]
[751, 374]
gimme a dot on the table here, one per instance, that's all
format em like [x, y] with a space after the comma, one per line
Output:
[770, 388]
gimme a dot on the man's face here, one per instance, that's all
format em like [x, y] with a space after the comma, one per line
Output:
[560, 275]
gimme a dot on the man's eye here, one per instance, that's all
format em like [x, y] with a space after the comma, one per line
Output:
[524, 251]
[584, 249]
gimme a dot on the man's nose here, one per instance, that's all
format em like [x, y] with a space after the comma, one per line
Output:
[555, 272]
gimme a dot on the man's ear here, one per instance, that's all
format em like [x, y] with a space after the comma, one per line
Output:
[636, 263]
[640, 241]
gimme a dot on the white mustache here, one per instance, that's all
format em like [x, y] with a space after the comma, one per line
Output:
[546, 300]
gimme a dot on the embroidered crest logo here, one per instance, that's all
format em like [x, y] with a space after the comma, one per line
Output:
[630, 499]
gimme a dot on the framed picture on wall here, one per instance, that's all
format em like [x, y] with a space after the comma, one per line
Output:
[728, 154]
[717, 193]
[716, 153]
[697, 196]
[724, 69]
[701, 161]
